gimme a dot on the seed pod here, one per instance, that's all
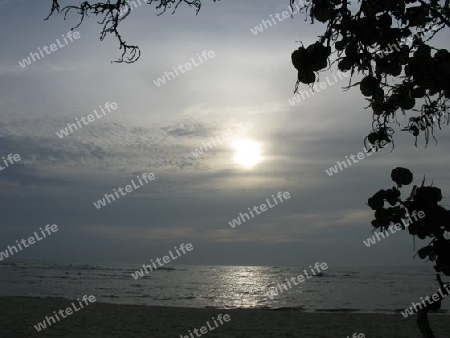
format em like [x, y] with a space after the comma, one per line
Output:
[407, 102]
[418, 92]
[306, 76]
[385, 21]
[368, 85]
[298, 57]
[322, 14]
[340, 45]
[402, 176]
[345, 64]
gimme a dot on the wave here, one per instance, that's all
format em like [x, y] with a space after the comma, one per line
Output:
[289, 308]
[337, 310]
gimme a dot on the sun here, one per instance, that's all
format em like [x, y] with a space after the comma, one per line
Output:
[247, 153]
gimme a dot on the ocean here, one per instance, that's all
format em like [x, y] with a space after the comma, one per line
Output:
[362, 289]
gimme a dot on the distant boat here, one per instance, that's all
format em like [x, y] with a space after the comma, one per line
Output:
[167, 268]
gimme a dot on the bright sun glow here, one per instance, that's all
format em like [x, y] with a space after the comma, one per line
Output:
[247, 153]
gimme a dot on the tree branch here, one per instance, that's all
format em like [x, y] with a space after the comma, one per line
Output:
[112, 13]
[436, 12]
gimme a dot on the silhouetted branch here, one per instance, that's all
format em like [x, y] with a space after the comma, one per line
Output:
[111, 13]
[440, 12]
[390, 210]
[387, 45]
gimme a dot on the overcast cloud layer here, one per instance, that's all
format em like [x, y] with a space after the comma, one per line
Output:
[155, 129]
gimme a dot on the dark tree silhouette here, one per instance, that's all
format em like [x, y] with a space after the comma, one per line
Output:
[391, 209]
[386, 45]
[112, 13]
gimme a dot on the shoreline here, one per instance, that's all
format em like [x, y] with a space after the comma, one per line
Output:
[19, 314]
[300, 309]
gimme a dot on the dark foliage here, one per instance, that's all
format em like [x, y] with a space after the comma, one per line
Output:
[386, 45]
[391, 209]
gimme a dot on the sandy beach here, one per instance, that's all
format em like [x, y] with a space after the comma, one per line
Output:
[18, 315]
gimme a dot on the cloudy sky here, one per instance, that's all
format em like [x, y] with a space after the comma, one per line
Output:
[155, 129]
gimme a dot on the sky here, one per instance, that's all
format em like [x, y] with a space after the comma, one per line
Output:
[155, 129]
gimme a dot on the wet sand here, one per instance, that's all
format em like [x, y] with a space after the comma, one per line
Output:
[19, 315]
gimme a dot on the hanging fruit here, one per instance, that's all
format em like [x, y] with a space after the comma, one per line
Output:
[402, 176]
[369, 85]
